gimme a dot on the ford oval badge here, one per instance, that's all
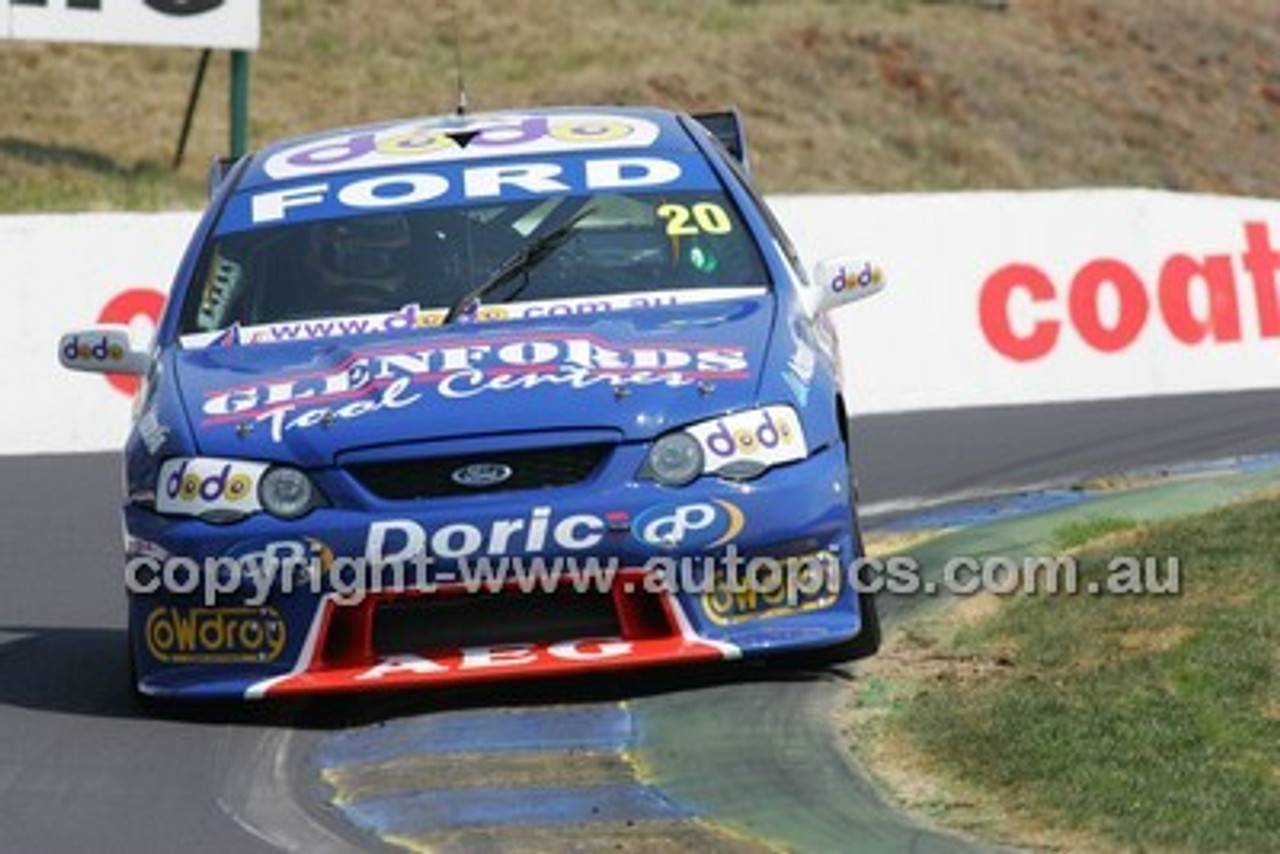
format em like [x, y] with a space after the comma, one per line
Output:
[481, 475]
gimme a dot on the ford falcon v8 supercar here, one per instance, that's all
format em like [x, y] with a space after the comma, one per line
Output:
[484, 397]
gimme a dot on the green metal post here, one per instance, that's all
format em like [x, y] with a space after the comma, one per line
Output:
[239, 102]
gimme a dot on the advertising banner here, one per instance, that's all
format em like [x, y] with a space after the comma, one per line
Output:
[229, 24]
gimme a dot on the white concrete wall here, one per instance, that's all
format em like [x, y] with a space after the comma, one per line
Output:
[1015, 298]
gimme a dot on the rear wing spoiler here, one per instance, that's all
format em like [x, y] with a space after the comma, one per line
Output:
[726, 127]
[219, 169]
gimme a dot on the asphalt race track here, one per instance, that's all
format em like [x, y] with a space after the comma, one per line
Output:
[949, 453]
[81, 770]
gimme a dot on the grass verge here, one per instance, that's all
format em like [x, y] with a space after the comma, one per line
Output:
[1141, 722]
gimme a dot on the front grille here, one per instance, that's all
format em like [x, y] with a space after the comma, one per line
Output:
[434, 477]
[424, 623]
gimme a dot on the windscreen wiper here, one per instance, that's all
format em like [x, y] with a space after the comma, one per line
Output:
[522, 261]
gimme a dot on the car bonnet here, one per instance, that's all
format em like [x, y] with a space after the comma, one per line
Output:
[636, 373]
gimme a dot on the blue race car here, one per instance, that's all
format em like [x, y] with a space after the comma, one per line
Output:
[486, 397]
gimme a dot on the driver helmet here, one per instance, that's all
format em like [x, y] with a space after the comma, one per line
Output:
[370, 252]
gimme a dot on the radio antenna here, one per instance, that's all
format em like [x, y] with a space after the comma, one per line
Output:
[463, 106]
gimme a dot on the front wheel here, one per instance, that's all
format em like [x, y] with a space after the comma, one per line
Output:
[866, 642]
[138, 701]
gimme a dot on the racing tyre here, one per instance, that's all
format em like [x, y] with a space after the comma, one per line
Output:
[144, 704]
[864, 644]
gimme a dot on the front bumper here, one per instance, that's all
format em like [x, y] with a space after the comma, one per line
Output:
[615, 576]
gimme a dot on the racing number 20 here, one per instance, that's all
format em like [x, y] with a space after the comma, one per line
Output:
[686, 221]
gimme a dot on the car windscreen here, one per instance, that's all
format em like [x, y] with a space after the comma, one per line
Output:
[429, 258]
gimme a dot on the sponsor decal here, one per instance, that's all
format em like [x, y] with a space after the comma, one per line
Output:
[481, 475]
[284, 419]
[852, 280]
[801, 367]
[500, 657]
[1025, 314]
[382, 378]
[152, 433]
[202, 485]
[706, 524]
[215, 635]
[774, 588]
[748, 443]
[414, 316]
[404, 540]
[419, 187]
[103, 349]
[460, 139]
[500, 661]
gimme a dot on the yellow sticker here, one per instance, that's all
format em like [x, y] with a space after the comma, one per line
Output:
[701, 218]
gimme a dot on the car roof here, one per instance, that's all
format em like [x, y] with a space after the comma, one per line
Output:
[453, 138]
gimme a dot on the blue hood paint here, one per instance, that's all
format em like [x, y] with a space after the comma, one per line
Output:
[415, 386]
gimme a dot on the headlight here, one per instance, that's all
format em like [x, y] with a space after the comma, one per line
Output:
[676, 459]
[740, 446]
[286, 492]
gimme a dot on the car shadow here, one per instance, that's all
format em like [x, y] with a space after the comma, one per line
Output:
[85, 672]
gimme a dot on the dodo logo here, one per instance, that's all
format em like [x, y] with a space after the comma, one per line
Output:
[751, 441]
[196, 485]
[867, 277]
[104, 350]
[419, 142]
[756, 433]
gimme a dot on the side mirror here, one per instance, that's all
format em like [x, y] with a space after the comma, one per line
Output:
[102, 350]
[846, 279]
